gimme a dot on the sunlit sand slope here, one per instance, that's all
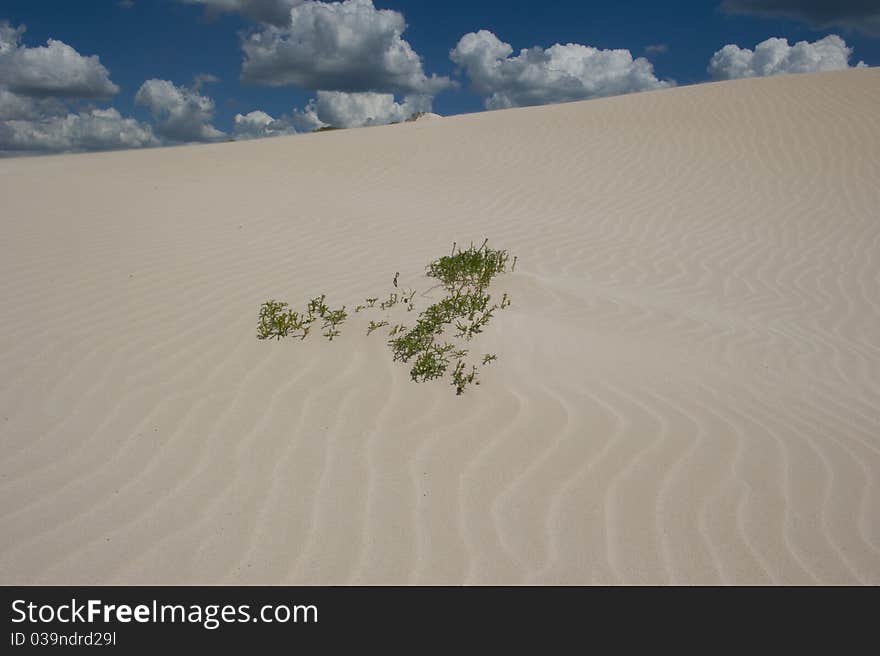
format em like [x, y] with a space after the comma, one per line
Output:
[687, 387]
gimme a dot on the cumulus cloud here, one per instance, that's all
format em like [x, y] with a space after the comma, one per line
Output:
[859, 15]
[352, 110]
[15, 107]
[25, 108]
[341, 46]
[37, 87]
[98, 129]
[55, 69]
[259, 124]
[775, 57]
[276, 12]
[537, 76]
[9, 37]
[182, 114]
[334, 109]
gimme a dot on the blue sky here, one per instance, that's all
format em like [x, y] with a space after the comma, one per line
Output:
[175, 40]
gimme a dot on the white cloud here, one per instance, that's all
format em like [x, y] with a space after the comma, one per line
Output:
[55, 69]
[25, 108]
[332, 108]
[98, 129]
[182, 114]
[342, 46]
[276, 12]
[258, 124]
[350, 110]
[775, 57]
[657, 49]
[9, 37]
[537, 76]
[15, 107]
[36, 87]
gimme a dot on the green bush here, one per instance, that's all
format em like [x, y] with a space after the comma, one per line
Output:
[465, 275]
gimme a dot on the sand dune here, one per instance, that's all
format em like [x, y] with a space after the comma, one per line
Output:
[688, 382]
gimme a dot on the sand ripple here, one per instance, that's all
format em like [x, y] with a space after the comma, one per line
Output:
[688, 383]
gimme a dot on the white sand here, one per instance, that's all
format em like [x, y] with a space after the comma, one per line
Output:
[688, 382]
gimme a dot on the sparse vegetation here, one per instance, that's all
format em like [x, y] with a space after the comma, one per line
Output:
[464, 274]
[374, 325]
[277, 320]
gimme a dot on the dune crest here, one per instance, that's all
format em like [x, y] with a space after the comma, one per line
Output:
[423, 116]
[687, 387]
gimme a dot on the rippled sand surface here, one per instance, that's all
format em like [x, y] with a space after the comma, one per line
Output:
[687, 387]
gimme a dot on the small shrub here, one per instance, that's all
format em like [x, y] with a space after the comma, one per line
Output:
[375, 326]
[461, 379]
[276, 321]
[464, 274]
